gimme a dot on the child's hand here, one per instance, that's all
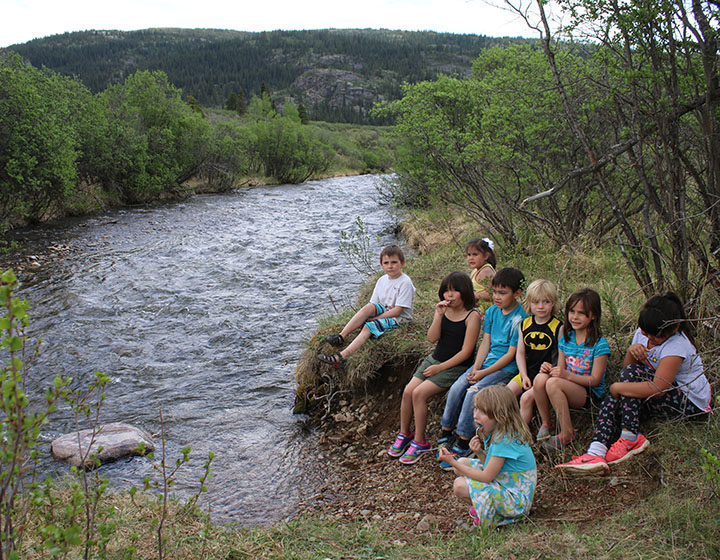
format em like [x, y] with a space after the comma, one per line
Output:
[432, 370]
[474, 376]
[441, 307]
[545, 368]
[447, 456]
[526, 383]
[556, 372]
[638, 352]
[476, 445]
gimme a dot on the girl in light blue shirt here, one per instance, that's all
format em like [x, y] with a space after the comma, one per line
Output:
[500, 484]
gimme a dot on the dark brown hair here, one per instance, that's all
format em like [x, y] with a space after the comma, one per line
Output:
[591, 304]
[663, 315]
[460, 282]
[392, 251]
[482, 246]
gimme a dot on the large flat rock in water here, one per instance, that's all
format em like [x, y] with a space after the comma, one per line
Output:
[117, 440]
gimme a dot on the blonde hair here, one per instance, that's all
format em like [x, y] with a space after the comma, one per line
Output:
[541, 289]
[500, 404]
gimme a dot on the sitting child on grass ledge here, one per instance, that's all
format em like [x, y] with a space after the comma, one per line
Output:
[662, 376]
[391, 304]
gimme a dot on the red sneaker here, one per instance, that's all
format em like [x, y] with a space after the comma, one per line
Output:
[624, 449]
[587, 464]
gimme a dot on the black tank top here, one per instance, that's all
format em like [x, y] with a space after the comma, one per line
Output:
[452, 336]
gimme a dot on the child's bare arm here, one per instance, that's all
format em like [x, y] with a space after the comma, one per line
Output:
[486, 474]
[433, 334]
[483, 279]
[471, 334]
[521, 360]
[664, 376]
[636, 354]
[503, 361]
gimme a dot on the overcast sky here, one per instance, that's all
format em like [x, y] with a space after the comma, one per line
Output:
[23, 20]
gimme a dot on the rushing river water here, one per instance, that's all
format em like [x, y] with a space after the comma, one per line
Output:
[201, 309]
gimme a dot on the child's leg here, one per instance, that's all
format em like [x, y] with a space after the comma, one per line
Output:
[563, 395]
[607, 422]
[527, 404]
[406, 405]
[514, 387]
[420, 396]
[541, 399]
[361, 317]
[454, 401]
[630, 407]
[460, 487]
[466, 422]
[357, 342]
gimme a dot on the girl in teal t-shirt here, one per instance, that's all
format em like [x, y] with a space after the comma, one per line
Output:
[579, 375]
[501, 487]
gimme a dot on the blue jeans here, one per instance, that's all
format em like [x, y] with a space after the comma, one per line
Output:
[458, 411]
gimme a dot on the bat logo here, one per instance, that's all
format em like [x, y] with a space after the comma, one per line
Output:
[538, 341]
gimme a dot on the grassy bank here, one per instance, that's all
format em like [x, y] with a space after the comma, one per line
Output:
[662, 504]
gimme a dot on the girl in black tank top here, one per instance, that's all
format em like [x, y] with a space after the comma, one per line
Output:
[455, 328]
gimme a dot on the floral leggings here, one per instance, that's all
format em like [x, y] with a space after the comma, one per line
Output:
[618, 413]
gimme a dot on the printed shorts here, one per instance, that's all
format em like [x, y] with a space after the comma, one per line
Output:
[378, 327]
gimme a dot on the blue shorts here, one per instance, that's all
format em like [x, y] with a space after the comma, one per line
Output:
[378, 327]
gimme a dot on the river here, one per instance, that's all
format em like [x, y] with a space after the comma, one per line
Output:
[201, 308]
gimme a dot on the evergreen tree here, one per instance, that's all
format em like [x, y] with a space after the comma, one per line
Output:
[302, 112]
[194, 105]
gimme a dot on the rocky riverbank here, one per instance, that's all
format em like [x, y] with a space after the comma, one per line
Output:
[416, 500]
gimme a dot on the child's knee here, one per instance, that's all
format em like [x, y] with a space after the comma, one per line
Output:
[460, 488]
[553, 386]
[540, 380]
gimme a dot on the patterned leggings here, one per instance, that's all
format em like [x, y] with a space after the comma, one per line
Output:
[625, 413]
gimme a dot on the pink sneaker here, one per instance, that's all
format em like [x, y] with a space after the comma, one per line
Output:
[402, 442]
[414, 452]
[474, 515]
[624, 449]
[587, 464]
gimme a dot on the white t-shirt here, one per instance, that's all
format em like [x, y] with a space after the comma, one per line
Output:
[395, 292]
[690, 378]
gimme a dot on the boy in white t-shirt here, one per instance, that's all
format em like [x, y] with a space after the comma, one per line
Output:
[391, 304]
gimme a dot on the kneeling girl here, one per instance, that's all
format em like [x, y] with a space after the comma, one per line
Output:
[500, 488]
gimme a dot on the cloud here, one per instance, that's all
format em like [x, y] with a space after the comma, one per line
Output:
[25, 20]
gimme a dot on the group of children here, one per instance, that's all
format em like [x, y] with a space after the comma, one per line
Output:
[526, 353]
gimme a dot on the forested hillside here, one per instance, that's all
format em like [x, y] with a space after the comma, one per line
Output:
[337, 74]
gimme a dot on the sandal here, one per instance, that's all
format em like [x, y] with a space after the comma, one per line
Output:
[332, 359]
[334, 340]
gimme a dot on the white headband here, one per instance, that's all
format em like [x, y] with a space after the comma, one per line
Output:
[489, 243]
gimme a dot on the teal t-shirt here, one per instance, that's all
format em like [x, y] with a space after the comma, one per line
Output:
[503, 330]
[518, 454]
[579, 358]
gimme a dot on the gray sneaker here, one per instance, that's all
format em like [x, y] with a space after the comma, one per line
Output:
[554, 443]
[543, 433]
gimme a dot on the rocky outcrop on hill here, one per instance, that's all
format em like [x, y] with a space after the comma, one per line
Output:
[336, 87]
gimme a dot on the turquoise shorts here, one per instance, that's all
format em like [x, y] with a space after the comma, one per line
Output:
[378, 327]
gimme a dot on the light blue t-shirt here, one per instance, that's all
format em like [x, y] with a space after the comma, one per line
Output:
[579, 359]
[518, 454]
[503, 330]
